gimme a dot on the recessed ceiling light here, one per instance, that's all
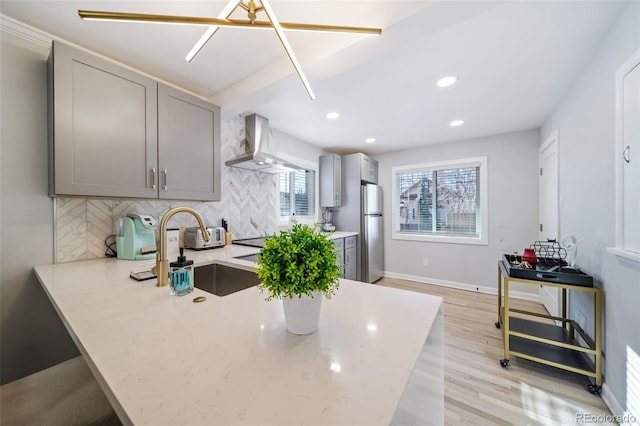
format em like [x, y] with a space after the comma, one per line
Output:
[370, 140]
[333, 115]
[446, 81]
[456, 123]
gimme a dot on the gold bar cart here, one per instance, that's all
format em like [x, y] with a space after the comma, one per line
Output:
[554, 344]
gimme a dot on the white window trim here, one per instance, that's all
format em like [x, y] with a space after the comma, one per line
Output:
[619, 249]
[283, 221]
[483, 239]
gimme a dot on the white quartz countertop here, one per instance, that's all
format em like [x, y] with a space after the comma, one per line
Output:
[229, 360]
[340, 234]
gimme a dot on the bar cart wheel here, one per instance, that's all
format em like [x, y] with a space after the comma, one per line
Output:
[594, 389]
[504, 362]
[497, 324]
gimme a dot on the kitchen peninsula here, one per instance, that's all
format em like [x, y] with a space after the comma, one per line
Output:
[377, 358]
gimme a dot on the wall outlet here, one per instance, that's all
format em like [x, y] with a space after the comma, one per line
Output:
[425, 261]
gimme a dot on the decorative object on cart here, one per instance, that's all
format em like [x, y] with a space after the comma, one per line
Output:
[570, 244]
[529, 257]
[549, 249]
[299, 265]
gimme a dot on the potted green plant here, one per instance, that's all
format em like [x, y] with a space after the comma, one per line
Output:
[299, 266]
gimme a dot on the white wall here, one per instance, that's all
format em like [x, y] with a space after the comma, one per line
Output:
[586, 133]
[513, 213]
[31, 337]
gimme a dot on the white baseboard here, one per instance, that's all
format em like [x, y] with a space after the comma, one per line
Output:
[462, 286]
[621, 415]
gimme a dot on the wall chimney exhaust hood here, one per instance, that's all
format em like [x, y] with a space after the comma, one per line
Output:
[259, 154]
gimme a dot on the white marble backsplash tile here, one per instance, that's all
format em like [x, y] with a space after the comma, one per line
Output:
[248, 203]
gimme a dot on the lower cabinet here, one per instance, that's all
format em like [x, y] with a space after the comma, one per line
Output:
[345, 249]
[350, 271]
[338, 244]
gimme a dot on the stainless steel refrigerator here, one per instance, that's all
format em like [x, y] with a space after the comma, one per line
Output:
[361, 210]
[372, 242]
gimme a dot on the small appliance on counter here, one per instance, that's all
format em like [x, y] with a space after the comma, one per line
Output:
[327, 226]
[136, 237]
[193, 238]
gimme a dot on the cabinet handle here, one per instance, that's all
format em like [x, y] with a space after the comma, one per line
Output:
[164, 179]
[626, 154]
[153, 178]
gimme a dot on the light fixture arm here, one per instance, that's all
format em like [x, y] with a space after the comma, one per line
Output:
[215, 23]
[287, 47]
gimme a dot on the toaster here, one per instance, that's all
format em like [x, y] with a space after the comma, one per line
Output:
[193, 238]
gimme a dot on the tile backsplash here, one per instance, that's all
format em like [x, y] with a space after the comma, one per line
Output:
[248, 203]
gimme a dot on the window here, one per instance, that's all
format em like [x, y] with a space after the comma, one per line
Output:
[297, 193]
[443, 202]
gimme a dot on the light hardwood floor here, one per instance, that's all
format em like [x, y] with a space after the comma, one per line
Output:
[478, 391]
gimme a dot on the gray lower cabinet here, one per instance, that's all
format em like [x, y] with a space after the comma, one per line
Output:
[338, 244]
[350, 268]
[117, 133]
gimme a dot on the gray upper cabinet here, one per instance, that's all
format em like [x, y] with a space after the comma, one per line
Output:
[368, 169]
[188, 146]
[330, 180]
[117, 133]
[104, 135]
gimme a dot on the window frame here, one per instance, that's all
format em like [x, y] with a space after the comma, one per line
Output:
[482, 239]
[620, 249]
[283, 221]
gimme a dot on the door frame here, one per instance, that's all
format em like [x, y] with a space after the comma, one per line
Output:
[549, 295]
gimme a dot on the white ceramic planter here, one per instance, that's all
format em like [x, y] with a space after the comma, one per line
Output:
[302, 314]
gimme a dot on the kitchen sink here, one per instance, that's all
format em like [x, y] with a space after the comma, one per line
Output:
[223, 280]
[250, 257]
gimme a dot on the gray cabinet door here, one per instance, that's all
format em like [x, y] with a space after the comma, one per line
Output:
[350, 269]
[188, 146]
[104, 135]
[330, 180]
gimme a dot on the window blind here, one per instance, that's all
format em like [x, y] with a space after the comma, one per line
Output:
[297, 193]
[439, 200]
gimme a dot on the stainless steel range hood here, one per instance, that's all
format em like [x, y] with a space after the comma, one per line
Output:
[259, 153]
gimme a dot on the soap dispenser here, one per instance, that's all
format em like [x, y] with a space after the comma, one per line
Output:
[181, 275]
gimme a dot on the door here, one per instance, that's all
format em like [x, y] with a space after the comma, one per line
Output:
[630, 163]
[188, 146]
[371, 199]
[350, 262]
[548, 161]
[104, 127]
[373, 253]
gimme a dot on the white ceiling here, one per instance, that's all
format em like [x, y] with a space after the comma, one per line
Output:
[514, 61]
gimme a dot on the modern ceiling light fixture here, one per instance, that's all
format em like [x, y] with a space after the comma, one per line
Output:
[225, 14]
[223, 21]
[456, 123]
